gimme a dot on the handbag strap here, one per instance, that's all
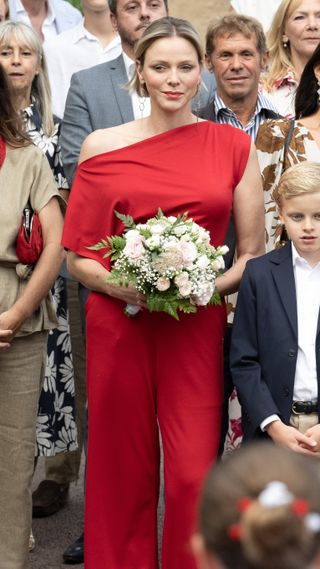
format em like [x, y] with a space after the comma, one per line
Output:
[2, 151]
[287, 142]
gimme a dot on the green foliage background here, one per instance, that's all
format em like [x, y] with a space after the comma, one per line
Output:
[75, 3]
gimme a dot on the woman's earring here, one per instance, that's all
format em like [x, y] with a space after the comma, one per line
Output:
[142, 104]
[285, 45]
[318, 91]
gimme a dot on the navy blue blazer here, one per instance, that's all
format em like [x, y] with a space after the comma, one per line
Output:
[265, 340]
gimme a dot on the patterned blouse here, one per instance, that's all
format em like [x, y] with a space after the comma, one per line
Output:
[283, 94]
[270, 144]
[48, 144]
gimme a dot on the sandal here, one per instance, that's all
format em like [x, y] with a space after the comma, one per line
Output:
[32, 542]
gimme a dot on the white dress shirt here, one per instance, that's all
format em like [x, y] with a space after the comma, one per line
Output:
[49, 29]
[61, 16]
[72, 51]
[262, 10]
[307, 281]
[141, 105]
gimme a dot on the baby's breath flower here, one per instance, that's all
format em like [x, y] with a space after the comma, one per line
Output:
[167, 258]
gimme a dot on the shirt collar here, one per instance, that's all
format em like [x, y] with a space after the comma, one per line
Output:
[263, 103]
[129, 64]
[20, 7]
[298, 261]
[79, 32]
[50, 18]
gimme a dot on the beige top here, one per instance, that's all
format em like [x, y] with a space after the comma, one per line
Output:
[25, 176]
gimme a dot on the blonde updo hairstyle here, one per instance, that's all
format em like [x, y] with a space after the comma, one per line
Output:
[163, 28]
[40, 88]
[270, 537]
[279, 56]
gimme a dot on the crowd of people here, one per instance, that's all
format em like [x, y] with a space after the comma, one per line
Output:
[121, 109]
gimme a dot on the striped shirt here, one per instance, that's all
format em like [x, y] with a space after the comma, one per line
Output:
[224, 115]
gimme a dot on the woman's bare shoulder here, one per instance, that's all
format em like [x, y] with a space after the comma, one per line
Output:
[108, 139]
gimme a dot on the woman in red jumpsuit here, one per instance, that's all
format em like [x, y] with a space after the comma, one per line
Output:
[150, 372]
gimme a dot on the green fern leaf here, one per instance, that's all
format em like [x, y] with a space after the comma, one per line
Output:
[216, 298]
[127, 220]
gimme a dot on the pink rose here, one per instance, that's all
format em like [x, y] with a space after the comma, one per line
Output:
[185, 290]
[134, 248]
[189, 252]
[163, 284]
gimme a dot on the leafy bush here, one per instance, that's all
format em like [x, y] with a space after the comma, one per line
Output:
[76, 3]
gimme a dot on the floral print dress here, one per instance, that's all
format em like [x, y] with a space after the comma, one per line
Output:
[270, 144]
[56, 428]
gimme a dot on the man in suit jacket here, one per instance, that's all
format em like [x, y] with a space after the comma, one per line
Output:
[275, 348]
[46, 16]
[97, 97]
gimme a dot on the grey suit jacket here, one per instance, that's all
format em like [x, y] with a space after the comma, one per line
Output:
[98, 99]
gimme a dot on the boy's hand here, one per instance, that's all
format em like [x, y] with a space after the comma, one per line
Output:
[290, 437]
[6, 337]
[314, 434]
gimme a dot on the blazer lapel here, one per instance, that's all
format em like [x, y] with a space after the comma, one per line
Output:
[119, 79]
[284, 279]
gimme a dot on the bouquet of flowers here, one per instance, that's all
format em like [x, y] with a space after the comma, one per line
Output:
[168, 259]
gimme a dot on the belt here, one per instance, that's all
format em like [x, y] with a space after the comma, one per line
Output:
[8, 264]
[304, 407]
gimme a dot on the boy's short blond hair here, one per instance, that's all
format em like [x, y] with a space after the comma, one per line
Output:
[302, 178]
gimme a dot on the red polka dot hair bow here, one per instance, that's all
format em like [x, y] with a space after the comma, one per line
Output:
[275, 495]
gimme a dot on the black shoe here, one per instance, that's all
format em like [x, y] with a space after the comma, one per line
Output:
[49, 498]
[75, 553]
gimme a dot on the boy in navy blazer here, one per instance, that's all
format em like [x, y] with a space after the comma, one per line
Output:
[275, 350]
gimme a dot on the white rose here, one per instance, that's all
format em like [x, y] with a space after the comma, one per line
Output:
[185, 290]
[134, 248]
[179, 230]
[204, 235]
[218, 264]
[132, 234]
[189, 252]
[153, 242]
[172, 218]
[223, 250]
[181, 279]
[171, 244]
[202, 262]
[158, 228]
[163, 284]
[142, 226]
[195, 228]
